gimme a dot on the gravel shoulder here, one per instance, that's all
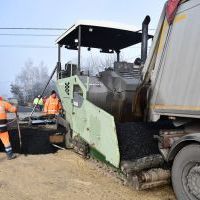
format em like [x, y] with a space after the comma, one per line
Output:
[65, 175]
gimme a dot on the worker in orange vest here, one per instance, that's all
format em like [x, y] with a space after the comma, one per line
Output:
[52, 105]
[4, 108]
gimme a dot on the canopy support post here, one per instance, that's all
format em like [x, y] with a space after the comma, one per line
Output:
[59, 61]
[79, 49]
[118, 55]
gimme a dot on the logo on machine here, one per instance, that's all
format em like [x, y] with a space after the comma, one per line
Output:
[67, 85]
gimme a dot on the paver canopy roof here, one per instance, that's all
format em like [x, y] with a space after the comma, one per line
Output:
[102, 35]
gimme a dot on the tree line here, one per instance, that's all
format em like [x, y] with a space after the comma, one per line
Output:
[30, 82]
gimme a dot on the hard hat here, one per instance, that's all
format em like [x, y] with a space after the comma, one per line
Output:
[1, 98]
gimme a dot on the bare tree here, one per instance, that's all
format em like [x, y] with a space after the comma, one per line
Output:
[17, 93]
[95, 64]
[31, 81]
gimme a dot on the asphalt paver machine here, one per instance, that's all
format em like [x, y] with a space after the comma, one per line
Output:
[140, 117]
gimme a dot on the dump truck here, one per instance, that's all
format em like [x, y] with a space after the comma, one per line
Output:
[140, 117]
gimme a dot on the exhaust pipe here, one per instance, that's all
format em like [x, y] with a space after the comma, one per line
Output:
[145, 37]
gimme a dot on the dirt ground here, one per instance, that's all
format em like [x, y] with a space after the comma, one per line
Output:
[65, 175]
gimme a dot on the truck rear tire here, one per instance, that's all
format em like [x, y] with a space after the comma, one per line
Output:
[186, 173]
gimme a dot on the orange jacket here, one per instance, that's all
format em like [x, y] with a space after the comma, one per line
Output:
[52, 106]
[4, 108]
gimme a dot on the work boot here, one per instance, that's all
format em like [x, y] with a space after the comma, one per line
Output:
[11, 156]
[9, 153]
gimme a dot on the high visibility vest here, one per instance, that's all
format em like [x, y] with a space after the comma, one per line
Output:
[38, 101]
[52, 106]
[4, 108]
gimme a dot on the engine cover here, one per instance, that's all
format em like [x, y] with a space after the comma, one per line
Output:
[114, 90]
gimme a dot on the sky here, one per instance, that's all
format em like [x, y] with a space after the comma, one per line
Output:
[58, 14]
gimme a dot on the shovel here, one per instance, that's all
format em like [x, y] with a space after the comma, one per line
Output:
[19, 132]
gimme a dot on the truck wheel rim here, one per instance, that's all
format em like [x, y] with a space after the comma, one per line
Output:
[191, 180]
[194, 181]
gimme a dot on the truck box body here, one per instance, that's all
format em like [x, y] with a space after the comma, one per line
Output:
[176, 75]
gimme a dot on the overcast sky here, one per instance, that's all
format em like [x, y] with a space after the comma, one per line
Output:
[58, 14]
